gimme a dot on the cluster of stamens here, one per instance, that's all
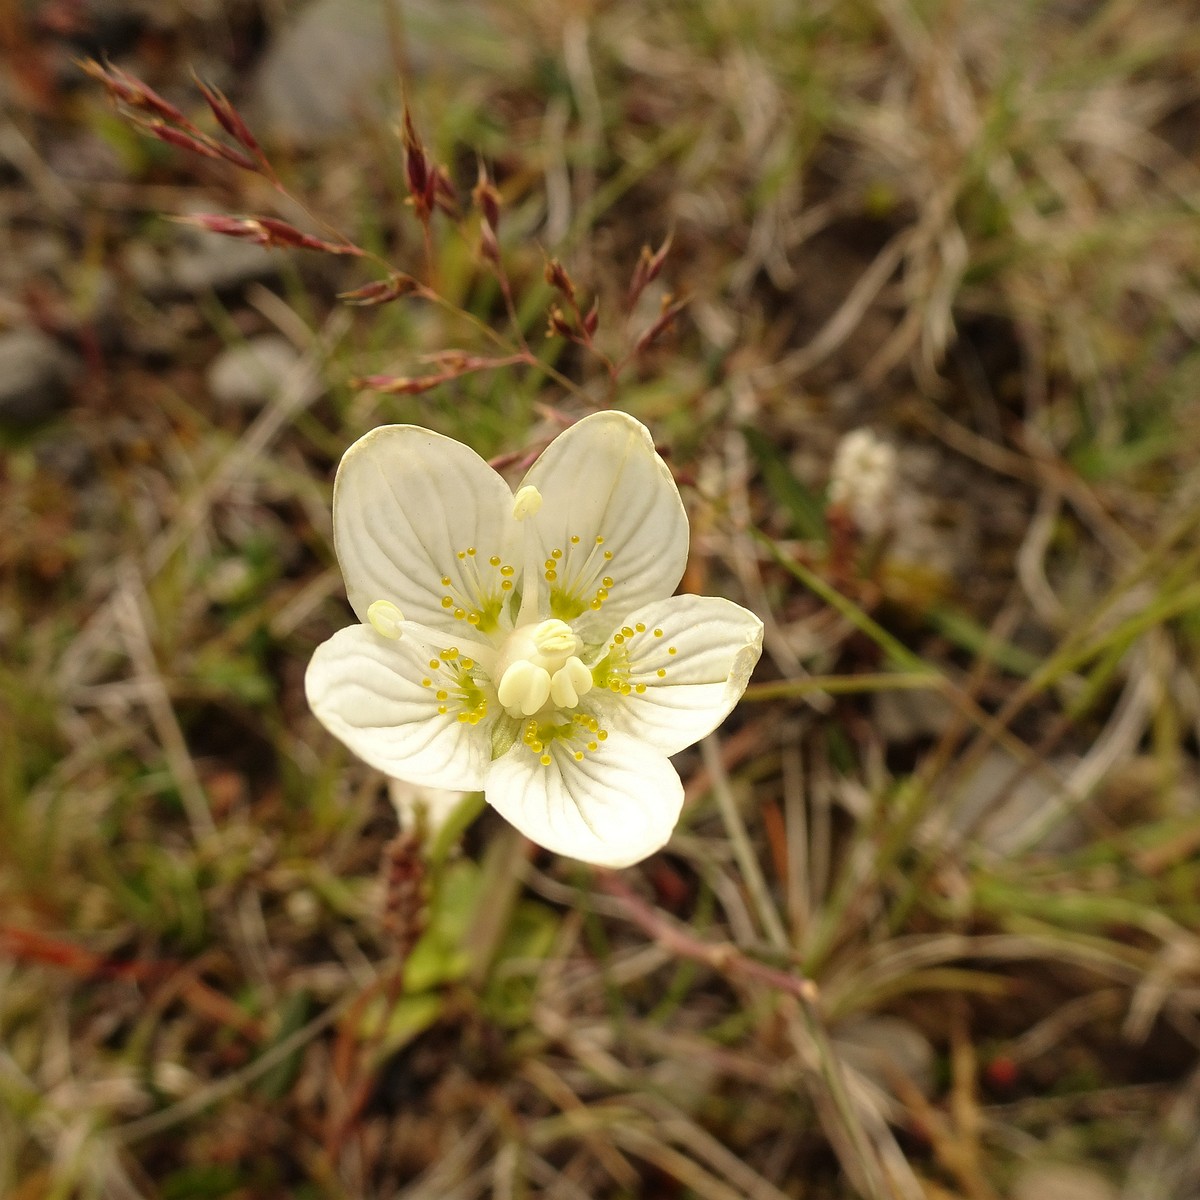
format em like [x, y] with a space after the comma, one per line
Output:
[486, 588]
[617, 674]
[577, 586]
[456, 688]
[582, 730]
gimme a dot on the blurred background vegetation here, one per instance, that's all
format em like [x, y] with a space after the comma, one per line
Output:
[961, 795]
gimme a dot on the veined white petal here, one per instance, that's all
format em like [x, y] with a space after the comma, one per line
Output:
[613, 809]
[406, 503]
[602, 479]
[716, 644]
[368, 692]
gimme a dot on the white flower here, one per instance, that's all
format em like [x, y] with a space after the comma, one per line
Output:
[528, 645]
[863, 478]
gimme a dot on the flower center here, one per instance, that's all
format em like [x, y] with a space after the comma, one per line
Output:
[538, 664]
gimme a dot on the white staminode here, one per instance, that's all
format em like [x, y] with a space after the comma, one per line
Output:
[540, 656]
[385, 619]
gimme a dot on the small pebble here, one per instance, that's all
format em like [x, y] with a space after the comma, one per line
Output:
[36, 374]
[1061, 1181]
[250, 374]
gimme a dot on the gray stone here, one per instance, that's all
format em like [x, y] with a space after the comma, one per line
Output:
[199, 262]
[211, 262]
[1061, 1181]
[36, 374]
[250, 374]
[333, 67]
[883, 1047]
[1000, 814]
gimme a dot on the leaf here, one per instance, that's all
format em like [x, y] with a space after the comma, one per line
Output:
[807, 517]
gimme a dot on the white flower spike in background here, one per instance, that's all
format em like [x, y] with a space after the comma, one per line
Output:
[529, 645]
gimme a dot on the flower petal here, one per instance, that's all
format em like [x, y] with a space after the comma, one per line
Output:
[602, 479]
[716, 644]
[367, 691]
[406, 502]
[613, 809]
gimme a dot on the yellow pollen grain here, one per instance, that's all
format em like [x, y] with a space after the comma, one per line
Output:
[551, 576]
[471, 551]
[627, 631]
[472, 618]
[556, 554]
[446, 581]
[661, 673]
[427, 683]
[658, 633]
[549, 564]
[443, 695]
[618, 639]
[544, 760]
[602, 735]
[506, 570]
[593, 745]
[597, 603]
[672, 650]
[574, 539]
[579, 756]
[462, 554]
[451, 654]
[641, 687]
[599, 541]
[602, 593]
[506, 585]
[468, 663]
[442, 710]
[494, 561]
[447, 601]
[640, 627]
[434, 663]
[607, 581]
[460, 614]
[608, 555]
